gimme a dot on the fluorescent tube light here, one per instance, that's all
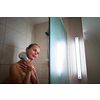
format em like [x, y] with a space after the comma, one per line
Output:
[78, 60]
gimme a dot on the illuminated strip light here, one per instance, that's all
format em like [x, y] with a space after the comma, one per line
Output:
[78, 57]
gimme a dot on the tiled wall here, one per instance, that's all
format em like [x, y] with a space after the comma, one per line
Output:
[40, 62]
[15, 35]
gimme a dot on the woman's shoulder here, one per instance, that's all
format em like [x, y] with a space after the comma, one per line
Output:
[14, 66]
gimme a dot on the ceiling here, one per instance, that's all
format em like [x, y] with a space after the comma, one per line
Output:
[91, 29]
[38, 20]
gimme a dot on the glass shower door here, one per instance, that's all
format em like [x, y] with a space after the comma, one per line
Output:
[58, 65]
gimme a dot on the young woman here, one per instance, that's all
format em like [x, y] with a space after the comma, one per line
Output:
[21, 72]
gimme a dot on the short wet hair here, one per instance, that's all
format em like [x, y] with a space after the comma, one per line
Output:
[33, 45]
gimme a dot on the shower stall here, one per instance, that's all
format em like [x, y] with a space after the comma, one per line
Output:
[57, 49]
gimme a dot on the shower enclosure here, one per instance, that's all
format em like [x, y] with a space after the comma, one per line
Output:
[58, 59]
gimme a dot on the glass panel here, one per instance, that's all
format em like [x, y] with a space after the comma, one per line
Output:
[58, 52]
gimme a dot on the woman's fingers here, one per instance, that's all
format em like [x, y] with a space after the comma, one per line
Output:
[28, 62]
[23, 68]
[23, 65]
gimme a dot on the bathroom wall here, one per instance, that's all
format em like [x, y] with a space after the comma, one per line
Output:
[15, 35]
[73, 27]
[93, 61]
[91, 34]
[75, 30]
[41, 62]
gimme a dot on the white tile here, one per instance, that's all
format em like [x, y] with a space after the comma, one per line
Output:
[2, 29]
[4, 74]
[40, 29]
[42, 56]
[44, 81]
[3, 20]
[24, 19]
[14, 38]
[32, 36]
[10, 54]
[45, 72]
[38, 69]
[28, 41]
[17, 24]
[1, 46]
[30, 29]
[42, 70]
[42, 43]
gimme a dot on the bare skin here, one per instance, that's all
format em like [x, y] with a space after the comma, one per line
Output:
[21, 72]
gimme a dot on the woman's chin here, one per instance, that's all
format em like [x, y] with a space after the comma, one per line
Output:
[32, 58]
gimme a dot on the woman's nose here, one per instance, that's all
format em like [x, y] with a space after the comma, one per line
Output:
[35, 53]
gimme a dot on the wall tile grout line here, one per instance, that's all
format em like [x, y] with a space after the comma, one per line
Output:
[14, 29]
[14, 46]
[2, 23]
[22, 19]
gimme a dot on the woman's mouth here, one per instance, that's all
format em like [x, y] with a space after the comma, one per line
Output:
[34, 56]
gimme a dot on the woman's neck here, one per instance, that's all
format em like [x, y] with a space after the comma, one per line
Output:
[21, 61]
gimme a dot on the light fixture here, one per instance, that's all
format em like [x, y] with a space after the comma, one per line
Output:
[78, 60]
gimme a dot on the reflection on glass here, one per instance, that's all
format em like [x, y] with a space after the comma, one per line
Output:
[58, 52]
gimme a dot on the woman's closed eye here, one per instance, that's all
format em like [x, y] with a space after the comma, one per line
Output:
[34, 50]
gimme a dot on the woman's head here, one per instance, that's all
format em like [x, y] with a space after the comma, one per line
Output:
[33, 51]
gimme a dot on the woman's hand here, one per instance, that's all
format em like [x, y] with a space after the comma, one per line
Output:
[23, 67]
[27, 66]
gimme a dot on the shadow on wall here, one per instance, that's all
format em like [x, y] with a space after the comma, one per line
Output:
[7, 60]
[6, 81]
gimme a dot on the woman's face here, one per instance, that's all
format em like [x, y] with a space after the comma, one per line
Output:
[33, 52]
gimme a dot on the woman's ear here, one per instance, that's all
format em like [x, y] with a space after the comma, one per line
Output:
[26, 48]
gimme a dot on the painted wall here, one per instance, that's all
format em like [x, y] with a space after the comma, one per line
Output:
[15, 35]
[91, 29]
[75, 30]
[93, 62]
